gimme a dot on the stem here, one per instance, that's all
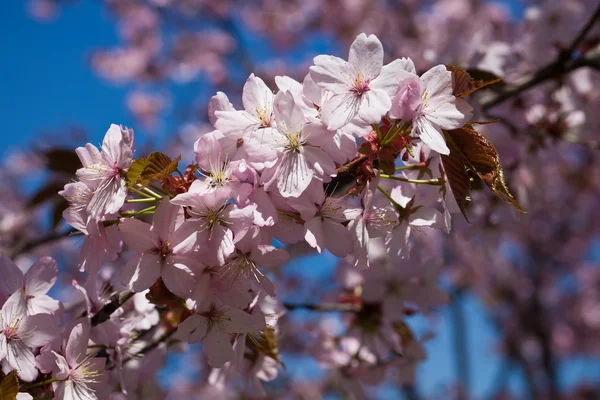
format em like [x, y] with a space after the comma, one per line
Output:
[390, 131]
[144, 200]
[582, 34]
[27, 387]
[410, 167]
[117, 300]
[394, 134]
[386, 194]
[154, 194]
[28, 246]
[149, 210]
[134, 190]
[159, 190]
[559, 67]
[379, 138]
[151, 346]
[434, 182]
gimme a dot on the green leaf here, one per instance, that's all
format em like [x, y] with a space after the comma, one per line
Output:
[134, 173]
[9, 386]
[479, 156]
[159, 167]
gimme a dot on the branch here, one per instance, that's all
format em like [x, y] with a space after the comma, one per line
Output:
[116, 301]
[556, 69]
[324, 307]
[582, 34]
[561, 66]
[25, 247]
[152, 345]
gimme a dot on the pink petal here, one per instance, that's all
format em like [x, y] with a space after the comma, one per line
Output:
[337, 237]
[366, 55]
[21, 358]
[313, 233]
[178, 278]
[41, 276]
[137, 236]
[374, 104]
[217, 346]
[77, 344]
[340, 109]
[166, 218]
[12, 277]
[141, 272]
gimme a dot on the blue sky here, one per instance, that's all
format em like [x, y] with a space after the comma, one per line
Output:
[46, 84]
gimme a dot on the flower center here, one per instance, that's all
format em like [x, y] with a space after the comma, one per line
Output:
[294, 142]
[360, 85]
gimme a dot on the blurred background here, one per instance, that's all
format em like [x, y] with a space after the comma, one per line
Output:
[524, 317]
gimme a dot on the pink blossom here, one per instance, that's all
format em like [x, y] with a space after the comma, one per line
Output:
[324, 218]
[104, 171]
[291, 147]
[214, 322]
[218, 224]
[428, 101]
[164, 250]
[360, 86]
[243, 265]
[34, 284]
[81, 376]
[20, 334]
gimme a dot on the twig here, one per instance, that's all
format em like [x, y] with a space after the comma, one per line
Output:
[116, 301]
[152, 345]
[28, 246]
[582, 34]
[352, 164]
[559, 67]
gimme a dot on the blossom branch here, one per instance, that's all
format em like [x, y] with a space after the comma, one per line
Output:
[152, 345]
[117, 300]
[25, 247]
[563, 65]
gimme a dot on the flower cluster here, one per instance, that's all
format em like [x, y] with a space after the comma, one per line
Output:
[270, 176]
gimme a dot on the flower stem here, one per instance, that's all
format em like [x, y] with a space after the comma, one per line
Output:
[379, 138]
[434, 182]
[386, 194]
[27, 387]
[134, 190]
[410, 167]
[149, 210]
[153, 193]
[144, 200]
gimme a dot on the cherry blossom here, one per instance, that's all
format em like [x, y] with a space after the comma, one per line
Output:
[164, 250]
[20, 334]
[103, 171]
[34, 284]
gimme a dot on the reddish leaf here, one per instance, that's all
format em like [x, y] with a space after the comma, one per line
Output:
[458, 178]
[482, 158]
[464, 84]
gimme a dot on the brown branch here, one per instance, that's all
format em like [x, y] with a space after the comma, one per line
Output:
[152, 345]
[556, 69]
[563, 64]
[116, 301]
[25, 247]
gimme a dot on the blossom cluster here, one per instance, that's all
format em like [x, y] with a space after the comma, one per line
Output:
[268, 177]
